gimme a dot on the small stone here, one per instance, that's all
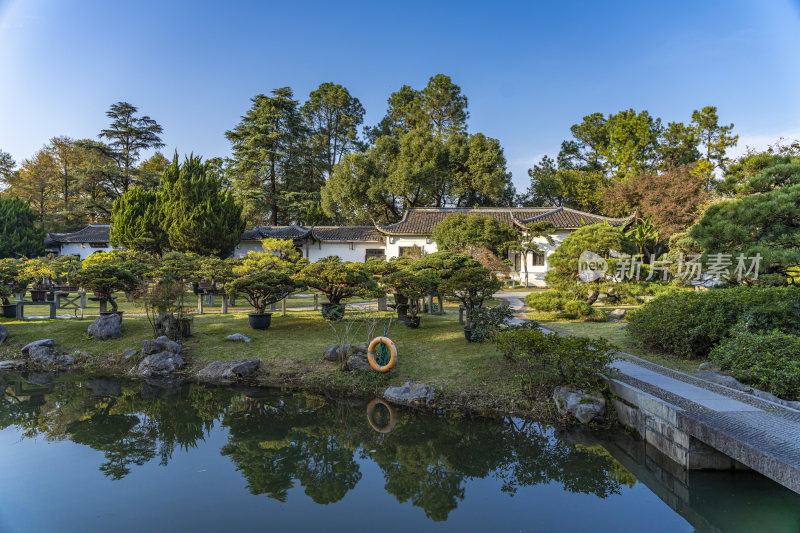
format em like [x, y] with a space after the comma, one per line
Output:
[129, 354]
[410, 394]
[106, 327]
[584, 406]
[219, 373]
[706, 366]
[3, 334]
[617, 314]
[238, 337]
[358, 362]
[623, 326]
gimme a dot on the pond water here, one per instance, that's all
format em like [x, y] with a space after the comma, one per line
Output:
[108, 456]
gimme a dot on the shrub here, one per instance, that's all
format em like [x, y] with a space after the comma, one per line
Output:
[768, 361]
[338, 280]
[262, 288]
[487, 321]
[574, 361]
[690, 324]
[545, 301]
[576, 309]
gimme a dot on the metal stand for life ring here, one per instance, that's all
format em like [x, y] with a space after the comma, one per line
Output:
[385, 341]
[371, 411]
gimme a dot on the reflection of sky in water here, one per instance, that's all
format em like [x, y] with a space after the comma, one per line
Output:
[428, 463]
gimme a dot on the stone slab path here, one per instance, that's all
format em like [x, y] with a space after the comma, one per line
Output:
[758, 433]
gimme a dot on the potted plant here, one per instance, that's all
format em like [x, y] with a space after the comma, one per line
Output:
[409, 286]
[9, 310]
[338, 281]
[471, 286]
[9, 280]
[105, 279]
[40, 274]
[262, 289]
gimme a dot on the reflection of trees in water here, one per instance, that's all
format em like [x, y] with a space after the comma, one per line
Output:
[277, 440]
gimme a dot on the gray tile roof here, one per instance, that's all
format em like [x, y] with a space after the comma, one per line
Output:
[422, 220]
[347, 233]
[293, 232]
[96, 233]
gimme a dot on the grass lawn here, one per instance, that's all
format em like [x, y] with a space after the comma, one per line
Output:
[292, 348]
[614, 333]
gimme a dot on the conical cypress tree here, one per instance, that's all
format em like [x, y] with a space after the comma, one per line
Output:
[198, 213]
[20, 234]
[136, 222]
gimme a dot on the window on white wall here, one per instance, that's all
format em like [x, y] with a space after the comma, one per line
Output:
[538, 259]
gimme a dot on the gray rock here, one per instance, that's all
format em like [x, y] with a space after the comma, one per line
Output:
[105, 387]
[106, 327]
[45, 342]
[733, 383]
[582, 405]
[159, 365]
[722, 379]
[706, 366]
[3, 333]
[129, 354]
[220, 373]
[410, 394]
[161, 344]
[238, 337]
[337, 352]
[623, 326]
[358, 362]
[43, 353]
[617, 314]
[11, 365]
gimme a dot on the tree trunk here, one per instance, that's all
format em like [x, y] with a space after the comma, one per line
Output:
[592, 297]
[273, 200]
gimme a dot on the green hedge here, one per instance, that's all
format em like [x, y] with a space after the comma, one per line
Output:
[767, 361]
[545, 301]
[690, 324]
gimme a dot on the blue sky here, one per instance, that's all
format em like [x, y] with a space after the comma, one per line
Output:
[529, 69]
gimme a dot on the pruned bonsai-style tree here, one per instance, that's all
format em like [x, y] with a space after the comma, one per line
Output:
[338, 281]
[262, 289]
[107, 278]
[410, 286]
[471, 286]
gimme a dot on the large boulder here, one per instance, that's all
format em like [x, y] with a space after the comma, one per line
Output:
[43, 354]
[410, 394]
[160, 365]
[358, 362]
[161, 344]
[106, 327]
[337, 352]
[3, 333]
[219, 373]
[617, 314]
[584, 406]
[162, 358]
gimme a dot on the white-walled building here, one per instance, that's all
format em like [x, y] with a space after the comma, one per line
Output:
[82, 243]
[411, 235]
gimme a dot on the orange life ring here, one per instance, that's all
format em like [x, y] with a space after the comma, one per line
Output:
[392, 418]
[386, 341]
